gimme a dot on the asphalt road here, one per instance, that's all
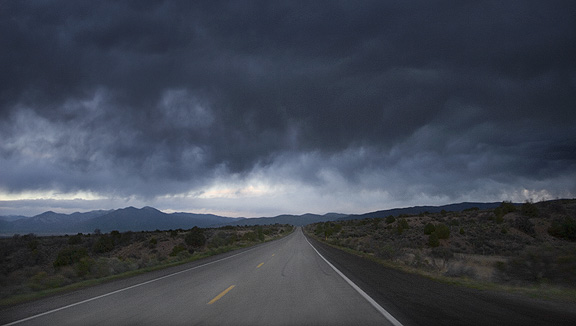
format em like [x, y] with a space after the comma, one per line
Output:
[285, 282]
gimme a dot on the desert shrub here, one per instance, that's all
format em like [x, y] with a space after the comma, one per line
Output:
[42, 281]
[442, 231]
[250, 236]
[460, 270]
[75, 239]
[117, 266]
[433, 240]
[84, 266]
[100, 267]
[220, 239]
[387, 251]
[152, 242]
[523, 224]
[319, 229]
[443, 253]
[103, 244]
[126, 238]
[404, 224]
[69, 256]
[529, 209]
[33, 244]
[429, 228]
[462, 231]
[390, 219]
[563, 228]
[195, 238]
[399, 228]
[504, 208]
[177, 249]
[260, 232]
[537, 264]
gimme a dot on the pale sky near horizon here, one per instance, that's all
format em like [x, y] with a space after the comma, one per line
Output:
[263, 108]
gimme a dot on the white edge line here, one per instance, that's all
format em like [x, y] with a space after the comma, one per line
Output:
[121, 290]
[375, 304]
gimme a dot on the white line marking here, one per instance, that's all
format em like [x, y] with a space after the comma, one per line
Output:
[124, 289]
[375, 304]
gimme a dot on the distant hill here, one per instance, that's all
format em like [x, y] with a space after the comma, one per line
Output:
[149, 219]
[124, 219]
[11, 218]
[297, 220]
[422, 209]
[51, 222]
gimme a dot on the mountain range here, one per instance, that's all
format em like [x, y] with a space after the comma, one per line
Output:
[149, 218]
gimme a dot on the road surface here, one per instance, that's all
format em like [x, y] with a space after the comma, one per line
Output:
[291, 281]
[285, 282]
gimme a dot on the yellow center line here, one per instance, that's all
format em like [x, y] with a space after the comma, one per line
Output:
[259, 265]
[221, 294]
[273, 255]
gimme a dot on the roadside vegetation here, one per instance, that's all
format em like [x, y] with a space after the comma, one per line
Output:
[527, 248]
[31, 266]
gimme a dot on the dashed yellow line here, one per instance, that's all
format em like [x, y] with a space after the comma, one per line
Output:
[219, 296]
[273, 255]
[259, 265]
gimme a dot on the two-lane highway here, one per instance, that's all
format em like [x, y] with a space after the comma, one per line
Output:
[285, 282]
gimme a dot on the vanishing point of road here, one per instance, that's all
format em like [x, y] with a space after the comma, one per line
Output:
[291, 281]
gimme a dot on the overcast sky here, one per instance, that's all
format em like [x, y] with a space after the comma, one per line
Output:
[245, 108]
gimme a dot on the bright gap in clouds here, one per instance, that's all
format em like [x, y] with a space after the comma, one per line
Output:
[49, 195]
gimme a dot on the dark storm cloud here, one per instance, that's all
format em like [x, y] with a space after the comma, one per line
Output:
[157, 97]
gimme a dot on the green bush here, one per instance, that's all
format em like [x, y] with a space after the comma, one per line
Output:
[433, 240]
[69, 256]
[84, 266]
[504, 208]
[563, 228]
[177, 249]
[103, 244]
[442, 231]
[404, 224]
[75, 239]
[530, 210]
[523, 224]
[429, 228]
[390, 219]
[399, 228]
[195, 238]
[250, 236]
[221, 239]
[319, 230]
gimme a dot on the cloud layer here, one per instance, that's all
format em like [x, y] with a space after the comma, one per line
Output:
[263, 107]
